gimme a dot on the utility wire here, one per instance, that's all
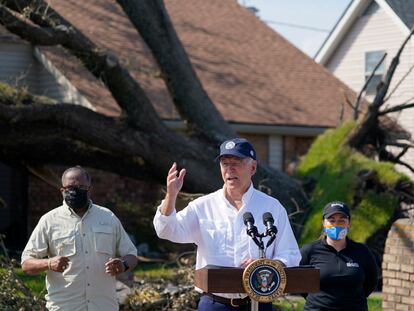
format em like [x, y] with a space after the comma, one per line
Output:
[254, 10]
[297, 26]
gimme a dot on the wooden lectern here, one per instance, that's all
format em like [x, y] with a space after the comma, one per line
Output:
[213, 279]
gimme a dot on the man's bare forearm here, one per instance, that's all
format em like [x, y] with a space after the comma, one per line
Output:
[168, 205]
[35, 266]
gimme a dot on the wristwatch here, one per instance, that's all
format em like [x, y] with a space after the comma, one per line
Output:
[126, 266]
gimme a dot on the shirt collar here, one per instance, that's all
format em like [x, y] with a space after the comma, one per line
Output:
[245, 198]
[69, 211]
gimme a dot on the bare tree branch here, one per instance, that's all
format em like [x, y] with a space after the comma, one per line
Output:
[396, 108]
[388, 156]
[192, 102]
[404, 151]
[103, 65]
[405, 164]
[400, 145]
[368, 126]
[96, 140]
[399, 83]
[358, 99]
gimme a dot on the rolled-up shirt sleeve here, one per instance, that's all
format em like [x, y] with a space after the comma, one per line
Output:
[38, 244]
[178, 227]
[124, 244]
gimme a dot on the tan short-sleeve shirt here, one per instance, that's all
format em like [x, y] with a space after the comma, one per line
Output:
[88, 242]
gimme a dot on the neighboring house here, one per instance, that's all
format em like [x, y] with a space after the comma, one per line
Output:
[367, 30]
[267, 89]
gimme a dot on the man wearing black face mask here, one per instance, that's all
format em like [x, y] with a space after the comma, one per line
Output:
[82, 246]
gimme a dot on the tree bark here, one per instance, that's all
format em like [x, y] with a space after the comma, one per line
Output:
[151, 20]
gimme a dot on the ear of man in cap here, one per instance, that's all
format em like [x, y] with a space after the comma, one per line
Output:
[237, 147]
[335, 207]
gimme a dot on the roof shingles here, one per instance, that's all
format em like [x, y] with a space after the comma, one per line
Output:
[251, 73]
[404, 9]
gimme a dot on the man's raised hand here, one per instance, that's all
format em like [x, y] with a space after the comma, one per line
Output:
[175, 180]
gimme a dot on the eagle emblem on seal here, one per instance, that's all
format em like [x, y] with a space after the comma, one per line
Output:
[264, 280]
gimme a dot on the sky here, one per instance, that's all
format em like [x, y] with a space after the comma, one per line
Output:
[305, 23]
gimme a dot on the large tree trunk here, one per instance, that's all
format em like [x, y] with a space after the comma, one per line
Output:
[136, 144]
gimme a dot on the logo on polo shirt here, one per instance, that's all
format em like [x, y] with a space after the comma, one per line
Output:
[352, 264]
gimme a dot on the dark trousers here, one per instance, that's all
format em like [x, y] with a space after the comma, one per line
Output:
[208, 304]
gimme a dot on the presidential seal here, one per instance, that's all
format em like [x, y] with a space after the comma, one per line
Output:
[264, 280]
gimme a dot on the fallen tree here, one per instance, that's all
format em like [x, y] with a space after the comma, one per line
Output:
[137, 143]
[355, 163]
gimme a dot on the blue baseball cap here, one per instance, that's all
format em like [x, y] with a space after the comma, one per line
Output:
[237, 147]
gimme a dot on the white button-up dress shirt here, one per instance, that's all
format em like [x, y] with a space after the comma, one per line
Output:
[88, 242]
[218, 230]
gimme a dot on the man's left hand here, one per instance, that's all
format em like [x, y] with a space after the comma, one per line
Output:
[114, 266]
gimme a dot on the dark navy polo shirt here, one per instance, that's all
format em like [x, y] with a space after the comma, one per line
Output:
[347, 276]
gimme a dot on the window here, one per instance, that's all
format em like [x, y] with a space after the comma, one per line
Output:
[371, 60]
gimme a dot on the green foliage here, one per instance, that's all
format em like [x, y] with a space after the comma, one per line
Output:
[374, 303]
[20, 96]
[36, 283]
[289, 303]
[335, 167]
[296, 303]
[15, 294]
[154, 272]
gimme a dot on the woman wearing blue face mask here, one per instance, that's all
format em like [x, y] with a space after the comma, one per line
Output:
[348, 270]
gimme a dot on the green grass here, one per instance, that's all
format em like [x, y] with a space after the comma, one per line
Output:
[290, 303]
[335, 167]
[374, 303]
[35, 282]
[296, 303]
[154, 271]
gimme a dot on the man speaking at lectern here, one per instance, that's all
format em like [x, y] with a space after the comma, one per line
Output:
[214, 222]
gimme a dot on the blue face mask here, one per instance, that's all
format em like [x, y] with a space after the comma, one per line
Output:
[336, 233]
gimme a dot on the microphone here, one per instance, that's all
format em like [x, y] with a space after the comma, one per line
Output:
[271, 229]
[249, 222]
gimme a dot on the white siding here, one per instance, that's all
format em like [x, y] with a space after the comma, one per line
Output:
[21, 65]
[18, 67]
[66, 92]
[276, 152]
[374, 33]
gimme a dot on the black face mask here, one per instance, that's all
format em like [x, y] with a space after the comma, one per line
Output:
[76, 198]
